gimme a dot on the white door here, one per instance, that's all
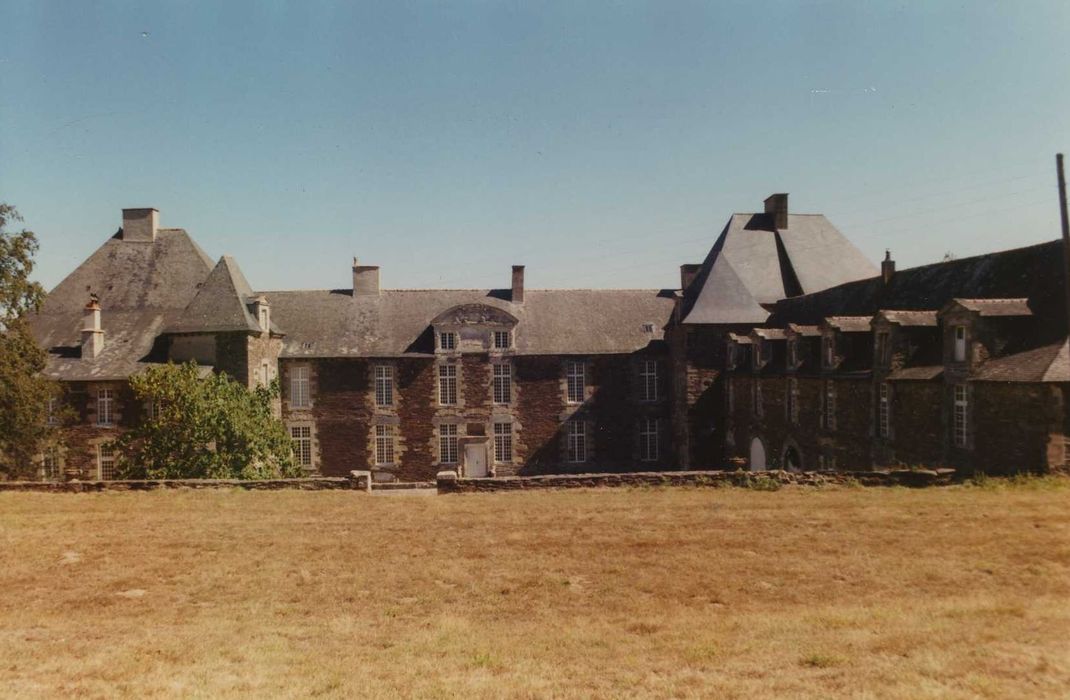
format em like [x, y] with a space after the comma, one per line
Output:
[475, 460]
[757, 455]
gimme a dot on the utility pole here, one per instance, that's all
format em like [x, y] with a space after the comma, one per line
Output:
[1066, 230]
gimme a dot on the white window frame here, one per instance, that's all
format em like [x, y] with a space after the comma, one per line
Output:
[884, 410]
[384, 385]
[384, 445]
[300, 387]
[577, 441]
[958, 333]
[502, 340]
[301, 436]
[502, 383]
[575, 381]
[960, 425]
[50, 416]
[756, 395]
[793, 400]
[105, 406]
[649, 449]
[828, 406]
[447, 385]
[793, 353]
[503, 442]
[829, 347]
[264, 318]
[648, 381]
[448, 452]
[105, 462]
[447, 340]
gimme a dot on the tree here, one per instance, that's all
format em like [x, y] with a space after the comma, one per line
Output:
[24, 392]
[204, 427]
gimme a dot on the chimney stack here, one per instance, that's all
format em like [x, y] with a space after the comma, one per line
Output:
[887, 267]
[365, 280]
[518, 284]
[140, 225]
[777, 205]
[92, 335]
[687, 275]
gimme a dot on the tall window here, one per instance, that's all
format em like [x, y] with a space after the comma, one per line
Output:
[793, 400]
[576, 379]
[730, 395]
[793, 353]
[884, 410]
[756, 395]
[830, 351]
[447, 385]
[265, 373]
[50, 465]
[502, 340]
[648, 439]
[447, 341]
[447, 443]
[577, 441]
[263, 318]
[884, 357]
[960, 415]
[105, 402]
[960, 343]
[299, 393]
[731, 355]
[51, 411]
[648, 381]
[503, 383]
[503, 442]
[829, 412]
[302, 439]
[384, 444]
[105, 462]
[384, 385]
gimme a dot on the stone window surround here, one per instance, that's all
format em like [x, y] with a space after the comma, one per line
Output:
[294, 372]
[577, 439]
[572, 375]
[447, 389]
[383, 385]
[960, 416]
[312, 447]
[500, 439]
[501, 383]
[649, 380]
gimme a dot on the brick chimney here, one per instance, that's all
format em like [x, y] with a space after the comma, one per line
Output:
[887, 267]
[518, 284]
[687, 275]
[92, 335]
[777, 205]
[140, 225]
[365, 280]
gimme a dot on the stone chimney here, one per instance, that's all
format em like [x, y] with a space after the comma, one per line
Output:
[140, 225]
[518, 284]
[777, 205]
[887, 267]
[687, 275]
[365, 280]
[92, 335]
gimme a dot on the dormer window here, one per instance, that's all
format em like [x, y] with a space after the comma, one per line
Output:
[960, 343]
[793, 353]
[263, 313]
[829, 344]
[447, 340]
[502, 340]
[731, 355]
[883, 348]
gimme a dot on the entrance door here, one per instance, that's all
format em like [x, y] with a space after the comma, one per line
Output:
[475, 460]
[757, 455]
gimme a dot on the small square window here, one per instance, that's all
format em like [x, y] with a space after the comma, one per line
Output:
[502, 340]
[447, 341]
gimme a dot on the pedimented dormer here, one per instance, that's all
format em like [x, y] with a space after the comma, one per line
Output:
[977, 329]
[474, 328]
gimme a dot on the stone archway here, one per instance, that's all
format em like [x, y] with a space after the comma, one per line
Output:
[792, 459]
[757, 455]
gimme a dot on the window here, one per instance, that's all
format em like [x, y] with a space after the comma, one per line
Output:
[447, 341]
[384, 385]
[52, 418]
[263, 318]
[299, 393]
[447, 385]
[757, 398]
[648, 440]
[731, 355]
[154, 409]
[730, 392]
[576, 379]
[648, 381]
[502, 340]
[105, 401]
[793, 400]
[960, 415]
[828, 415]
[384, 445]
[50, 465]
[960, 343]
[884, 410]
[503, 442]
[830, 351]
[503, 383]
[302, 439]
[577, 441]
[793, 353]
[883, 349]
[447, 443]
[265, 373]
[105, 462]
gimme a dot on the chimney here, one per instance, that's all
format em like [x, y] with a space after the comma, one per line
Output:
[887, 267]
[687, 275]
[92, 335]
[140, 225]
[518, 284]
[777, 205]
[365, 280]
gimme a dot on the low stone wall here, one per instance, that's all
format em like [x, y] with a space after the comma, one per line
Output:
[449, 482]
[356, 481]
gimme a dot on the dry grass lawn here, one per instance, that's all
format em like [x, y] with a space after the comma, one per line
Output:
[955, 592]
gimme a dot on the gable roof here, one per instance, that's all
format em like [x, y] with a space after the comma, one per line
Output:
[908, 318]
[995, 307]
[222, 303]
[1048, 363]
[753, 264]
[849, 324]
[332, 323]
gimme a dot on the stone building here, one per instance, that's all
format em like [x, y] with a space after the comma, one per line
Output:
[785, 347]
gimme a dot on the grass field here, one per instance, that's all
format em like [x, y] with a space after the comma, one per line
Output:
[954, 592]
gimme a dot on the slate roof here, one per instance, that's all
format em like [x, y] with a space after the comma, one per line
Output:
[910, 318]
[332, 323]
[996, 307]
[919, 373]
[770, 333]
[1049, 363]
[223, 303]
[753, 264]
[805, 331]
[850, 324]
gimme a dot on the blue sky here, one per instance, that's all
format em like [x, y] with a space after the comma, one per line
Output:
[600, 144]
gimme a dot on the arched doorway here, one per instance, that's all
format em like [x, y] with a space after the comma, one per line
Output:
[757, 455]
[792, 459]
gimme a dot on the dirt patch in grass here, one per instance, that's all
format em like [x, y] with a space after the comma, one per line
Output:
[956, 592]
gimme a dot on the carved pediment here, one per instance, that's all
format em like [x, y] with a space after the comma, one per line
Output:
[474, 315]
